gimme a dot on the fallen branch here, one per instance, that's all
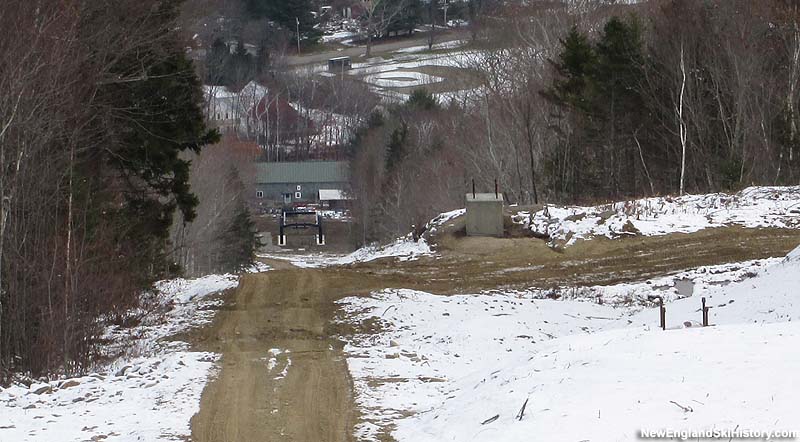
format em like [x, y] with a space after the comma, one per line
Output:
[522, 410]
[685, 409]
[491, 419]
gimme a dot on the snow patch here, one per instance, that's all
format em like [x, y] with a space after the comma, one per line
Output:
[150, 393]
[753, 207]
[403, 249]
[588, 371]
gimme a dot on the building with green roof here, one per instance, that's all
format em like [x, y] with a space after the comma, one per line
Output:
[300, 182]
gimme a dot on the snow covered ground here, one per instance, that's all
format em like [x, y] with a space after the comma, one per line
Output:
[752, 207]
[436, 47]
[379, 72]
[403, 249]
[697, 282]
[149, 394]
[338, 36]
[401, 79]
[460, 368]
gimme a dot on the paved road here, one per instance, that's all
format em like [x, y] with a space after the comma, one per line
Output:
[358, 51]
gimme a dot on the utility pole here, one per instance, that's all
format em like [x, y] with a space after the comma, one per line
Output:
[298, 34]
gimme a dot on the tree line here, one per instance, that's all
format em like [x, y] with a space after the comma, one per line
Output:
[100, 119]
[587, 101]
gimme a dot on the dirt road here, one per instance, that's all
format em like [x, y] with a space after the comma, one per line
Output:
[255, 399]
[259, 397]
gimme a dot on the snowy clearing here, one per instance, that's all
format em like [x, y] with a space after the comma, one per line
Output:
[338, 36]
[403, 249]
[401, 79]
[382, 75]
[752, 207]
[150, 393]
[698, 282]
[442, 367]
[436, 47]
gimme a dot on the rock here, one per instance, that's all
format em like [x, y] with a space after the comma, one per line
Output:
[628, 227]
[576, 217]
[43, 390]
[121, 371]
[393, 343]
[392, 356]
[604, 216]
[79, 399]
[29, 407]
[69, 384]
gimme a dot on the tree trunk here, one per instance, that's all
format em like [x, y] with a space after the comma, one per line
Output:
[369, 41]
[681, 124]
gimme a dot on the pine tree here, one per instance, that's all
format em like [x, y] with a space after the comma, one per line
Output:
[216, 64]
[408, 19]
[574, 67]
[290, 15]
[151, 118]
[619, 63]
[239, 240]
[396, 147]
[422, 99]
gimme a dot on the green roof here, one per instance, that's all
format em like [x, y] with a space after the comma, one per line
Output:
[302, 172]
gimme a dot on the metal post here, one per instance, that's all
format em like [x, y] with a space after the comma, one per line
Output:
[320, 233]
[663, 312]
[705, 313]
[281, 237]
[473, 188]
[495, 188]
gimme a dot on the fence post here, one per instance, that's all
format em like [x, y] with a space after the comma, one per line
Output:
[663, 313]
[705, 313]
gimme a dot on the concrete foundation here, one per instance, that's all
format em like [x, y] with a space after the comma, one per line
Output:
[485, 214]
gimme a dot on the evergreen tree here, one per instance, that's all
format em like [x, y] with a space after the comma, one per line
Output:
[217, 63]
[240, 67]
[396, 147]
[161, 117]
[290, 15]
[601, 83]
[619, 65]
[422, 99]
[575, 66]
[408, 19]
[239, 241]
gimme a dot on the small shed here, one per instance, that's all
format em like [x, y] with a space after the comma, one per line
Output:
[485, 214]
[339, 64]
[333, 198]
